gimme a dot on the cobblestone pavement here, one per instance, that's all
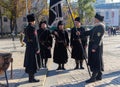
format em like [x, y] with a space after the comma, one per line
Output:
[20, 78]
[69, 77]
[76, 78]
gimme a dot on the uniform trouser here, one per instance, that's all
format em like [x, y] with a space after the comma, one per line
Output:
[44, 61]
[61, 66]
[31, 76]
[79, 62]
[97, 75]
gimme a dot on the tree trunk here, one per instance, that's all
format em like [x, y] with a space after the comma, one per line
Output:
[15, 18]
[1, 23]
[11, 24]
[15, 26]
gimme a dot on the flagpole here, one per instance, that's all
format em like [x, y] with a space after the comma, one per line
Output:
[85, 56]
[70, 12]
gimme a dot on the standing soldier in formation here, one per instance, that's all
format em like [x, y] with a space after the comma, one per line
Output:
[45, 41]
[30, 62]
[77, 42]
[95, 50]
[60, 55]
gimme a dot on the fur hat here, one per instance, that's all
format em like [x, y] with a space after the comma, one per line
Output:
[60, 23]
[77, 19]
[99, 17]
[30, 17]
[41, 22]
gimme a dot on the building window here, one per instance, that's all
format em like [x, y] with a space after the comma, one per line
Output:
[107, 15]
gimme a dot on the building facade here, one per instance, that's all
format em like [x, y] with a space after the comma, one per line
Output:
[112, 1]
[111, 13]
[100, 2]
[21, 21]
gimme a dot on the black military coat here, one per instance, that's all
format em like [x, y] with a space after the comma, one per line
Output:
[31, 49]
[45, 41]
[60, 55]
[95, 59]
[77, 52]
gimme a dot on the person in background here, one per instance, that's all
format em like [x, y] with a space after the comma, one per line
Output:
[21, 38]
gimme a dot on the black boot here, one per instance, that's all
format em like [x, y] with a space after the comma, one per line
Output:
[59, 67]
[63, 68]
[77, 64]
[81, 64]
[32, 79]
[99, 76]
[93, 77]
[46, 60]
[42, 62]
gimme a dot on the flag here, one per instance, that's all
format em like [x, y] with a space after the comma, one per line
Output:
[55, 12]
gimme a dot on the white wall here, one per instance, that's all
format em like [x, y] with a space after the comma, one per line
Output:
[111, 16]
[112, 1]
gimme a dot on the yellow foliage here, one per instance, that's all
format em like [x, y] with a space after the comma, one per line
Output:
[69, 20]
[45, 12]
[67, 16]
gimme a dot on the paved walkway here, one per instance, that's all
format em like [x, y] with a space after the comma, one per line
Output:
[69, 77]
[76, 78]
[20, 78]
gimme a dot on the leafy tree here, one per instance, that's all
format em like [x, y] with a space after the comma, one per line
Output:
[40, 9]
[1, 23]
[13, 9]
[67, 16]
[85, 9]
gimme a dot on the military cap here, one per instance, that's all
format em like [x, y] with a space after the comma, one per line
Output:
[30, 17]
[77, 19]
[99, 17]
[60, 23]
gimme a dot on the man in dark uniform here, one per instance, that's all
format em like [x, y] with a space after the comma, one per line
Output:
[30, 62]
[45, 40]
[60, 55]
[78, 43]
[95, 49]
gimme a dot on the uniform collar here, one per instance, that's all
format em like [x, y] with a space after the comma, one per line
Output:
[100, 23]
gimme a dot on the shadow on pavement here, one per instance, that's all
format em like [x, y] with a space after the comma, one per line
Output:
[56, 72]
[19, 77]
[115, 81]
[75, 84]
[18, 73]
[112, 74]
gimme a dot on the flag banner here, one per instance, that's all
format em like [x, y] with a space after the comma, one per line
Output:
[55, 12]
